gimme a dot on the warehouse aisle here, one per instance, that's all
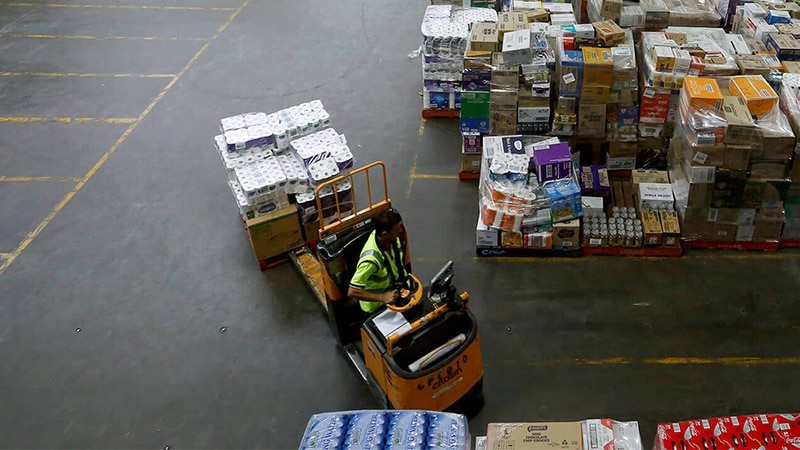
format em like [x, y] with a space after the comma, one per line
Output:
[132, 313]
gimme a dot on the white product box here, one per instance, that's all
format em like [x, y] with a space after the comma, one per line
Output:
[485, 236]
[527, 115]
[656, 196]
[517, 47]
[683, 61]
[699, 175]
[738, 44]
[560, 19]
[592, 206]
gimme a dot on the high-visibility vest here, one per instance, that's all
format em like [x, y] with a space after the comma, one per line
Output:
[381, 280]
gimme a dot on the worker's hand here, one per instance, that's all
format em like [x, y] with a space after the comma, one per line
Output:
[390, 297]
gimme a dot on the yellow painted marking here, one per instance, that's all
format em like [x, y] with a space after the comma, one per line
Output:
[56, 179]
[87, 75]
[429, 176]
[669, 361]
[135, 38]
[78, 186]
[81, 5]
[422, 126]
[5, 255]
[68, 119]
[736, 254]
[411, 175]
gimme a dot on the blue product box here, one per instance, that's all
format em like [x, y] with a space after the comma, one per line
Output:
[565, 199]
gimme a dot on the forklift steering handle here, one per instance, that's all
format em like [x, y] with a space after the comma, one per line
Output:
[413, 297]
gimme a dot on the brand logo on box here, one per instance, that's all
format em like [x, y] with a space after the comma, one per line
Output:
[533, 428]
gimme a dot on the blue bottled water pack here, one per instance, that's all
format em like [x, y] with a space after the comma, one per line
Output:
[386, 430]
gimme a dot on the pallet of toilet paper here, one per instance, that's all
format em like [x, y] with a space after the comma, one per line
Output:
[528, 191]
[270, 157]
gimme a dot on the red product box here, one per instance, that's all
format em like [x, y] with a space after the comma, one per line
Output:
[655, 106]
[757, 432]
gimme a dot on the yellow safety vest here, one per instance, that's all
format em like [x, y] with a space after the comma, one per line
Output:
[381, 280]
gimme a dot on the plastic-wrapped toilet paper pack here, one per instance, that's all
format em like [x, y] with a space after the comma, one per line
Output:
[322, 170]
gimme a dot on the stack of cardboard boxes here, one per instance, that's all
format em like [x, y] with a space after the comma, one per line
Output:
[731, 158]
[584, 435]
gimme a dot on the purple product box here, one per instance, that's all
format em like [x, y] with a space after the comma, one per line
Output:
[473, 80]
[628, 115]
[440, 86]
[474, 125]
[553, 163]
[472, 143]
[594, 181]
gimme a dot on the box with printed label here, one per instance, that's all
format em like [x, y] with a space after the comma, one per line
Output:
[609, 32]
[598, 66]
[619, 149]
[592, 205]
[706, 155]
[476, 80]
[533, 114]
[471, 162]
[741, 127]
[472, 143]
[484, 37]
[534, 436]
[565, 199]
[698, 174]
[595, 94]
[611, 9]
[651, 226]
[517, 47]
[504, 77]
[785, 46]
[502, 122]
[275, 233]
[737, 157]
[566, 235]
[649, 176]
[753, 65]
[511, 239]
[553, 163]
[486, 236]
[655, 105]
[702, 93]
[542, 240]
[763, 168]
[655, 196]
[594, 181]
[624, 163]
[592, 120]
[664, 58]
[671, 230]
[756, 92]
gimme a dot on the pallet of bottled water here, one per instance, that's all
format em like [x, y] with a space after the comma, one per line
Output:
[386, 430]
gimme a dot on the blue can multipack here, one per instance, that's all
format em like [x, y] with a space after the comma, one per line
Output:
[386, 430]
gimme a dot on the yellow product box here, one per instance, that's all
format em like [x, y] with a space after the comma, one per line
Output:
[609, 32]
[702, 92]
[671, 228]
[791, 66]
[664, 58]
[756, 92]
[598, 66]
[651, 225]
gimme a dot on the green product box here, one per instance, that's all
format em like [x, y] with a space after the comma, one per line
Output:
[475, 105]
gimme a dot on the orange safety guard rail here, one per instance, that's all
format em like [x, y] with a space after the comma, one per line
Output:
[373, 208]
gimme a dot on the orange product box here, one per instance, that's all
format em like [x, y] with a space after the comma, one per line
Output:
[598, 67]
[703, 92]
[756, 92]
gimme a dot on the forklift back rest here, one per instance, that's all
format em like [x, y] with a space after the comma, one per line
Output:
[348, 248]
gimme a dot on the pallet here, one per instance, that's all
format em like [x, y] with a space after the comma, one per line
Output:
[468, 175]
[445, 113]
[789, 243]
[488, 252]
[708, 244]
[628, 251]
[275, 261]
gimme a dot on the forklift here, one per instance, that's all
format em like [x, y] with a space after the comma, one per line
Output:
[422, 352]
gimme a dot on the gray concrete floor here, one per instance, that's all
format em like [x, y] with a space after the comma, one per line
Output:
[111, 316]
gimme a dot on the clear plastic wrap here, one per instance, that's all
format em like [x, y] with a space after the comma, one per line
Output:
[386, 430]
[693, 13]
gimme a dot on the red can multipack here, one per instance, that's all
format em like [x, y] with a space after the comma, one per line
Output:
[756, 432]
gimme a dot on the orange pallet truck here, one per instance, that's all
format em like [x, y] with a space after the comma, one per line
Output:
[423, 352]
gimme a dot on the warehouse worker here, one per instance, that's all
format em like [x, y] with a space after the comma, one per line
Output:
[383, 266]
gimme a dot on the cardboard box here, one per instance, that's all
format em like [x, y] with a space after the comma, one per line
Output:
[567, 235]
[534, 436]
[656, 14]
[595, 94]
[791, 66]
[484, 37]
[592, 120]
[756, 92]
[598, 66]
[671, 229]
[564, 196]
[511, 239]
[311, 231]
[539, 114]
[767, 229]
[741, 127]
[611, 9]
[609, 32]
[724, 231]
[655, 196]
[625, 163]
[753, 65]
[648, 176]
[784, 45]
[792, 8]
[275, 233]
[737, 157]
[729, 188]
[485, 236]
[592, 206]
[471, 162]
[617, 149]
[478, 60]
[471, 143]
[594, 181]
[542, 240]
[664, 58]
[517, 47]
[504, 77]
[503, 122]
[553, 163]
[651, 226]
[760, 168]
[702, 93]
[475, 112]
[706, 155]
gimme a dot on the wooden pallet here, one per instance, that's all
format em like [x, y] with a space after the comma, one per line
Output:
[628, 251]
[275, 261]
[444, 113]
[789, 243]
[468, 175]
[708, 244]
[525, 253]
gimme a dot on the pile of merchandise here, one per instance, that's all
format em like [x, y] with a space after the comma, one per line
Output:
[445, 31]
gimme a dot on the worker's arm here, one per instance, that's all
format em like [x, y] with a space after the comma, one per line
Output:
[387, 297]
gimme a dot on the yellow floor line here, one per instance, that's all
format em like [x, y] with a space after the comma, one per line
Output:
[33, 234]
[55, 179]
[411, 175]
[87, 75]
[422, 126]
[83, 5]
[5, 255]
[429, 176]
[68, 119]
[668, 361]
[103, 38]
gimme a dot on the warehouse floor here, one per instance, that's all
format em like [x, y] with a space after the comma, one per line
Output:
[132, 313]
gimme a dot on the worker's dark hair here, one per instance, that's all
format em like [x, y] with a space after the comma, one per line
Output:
[386, 220]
